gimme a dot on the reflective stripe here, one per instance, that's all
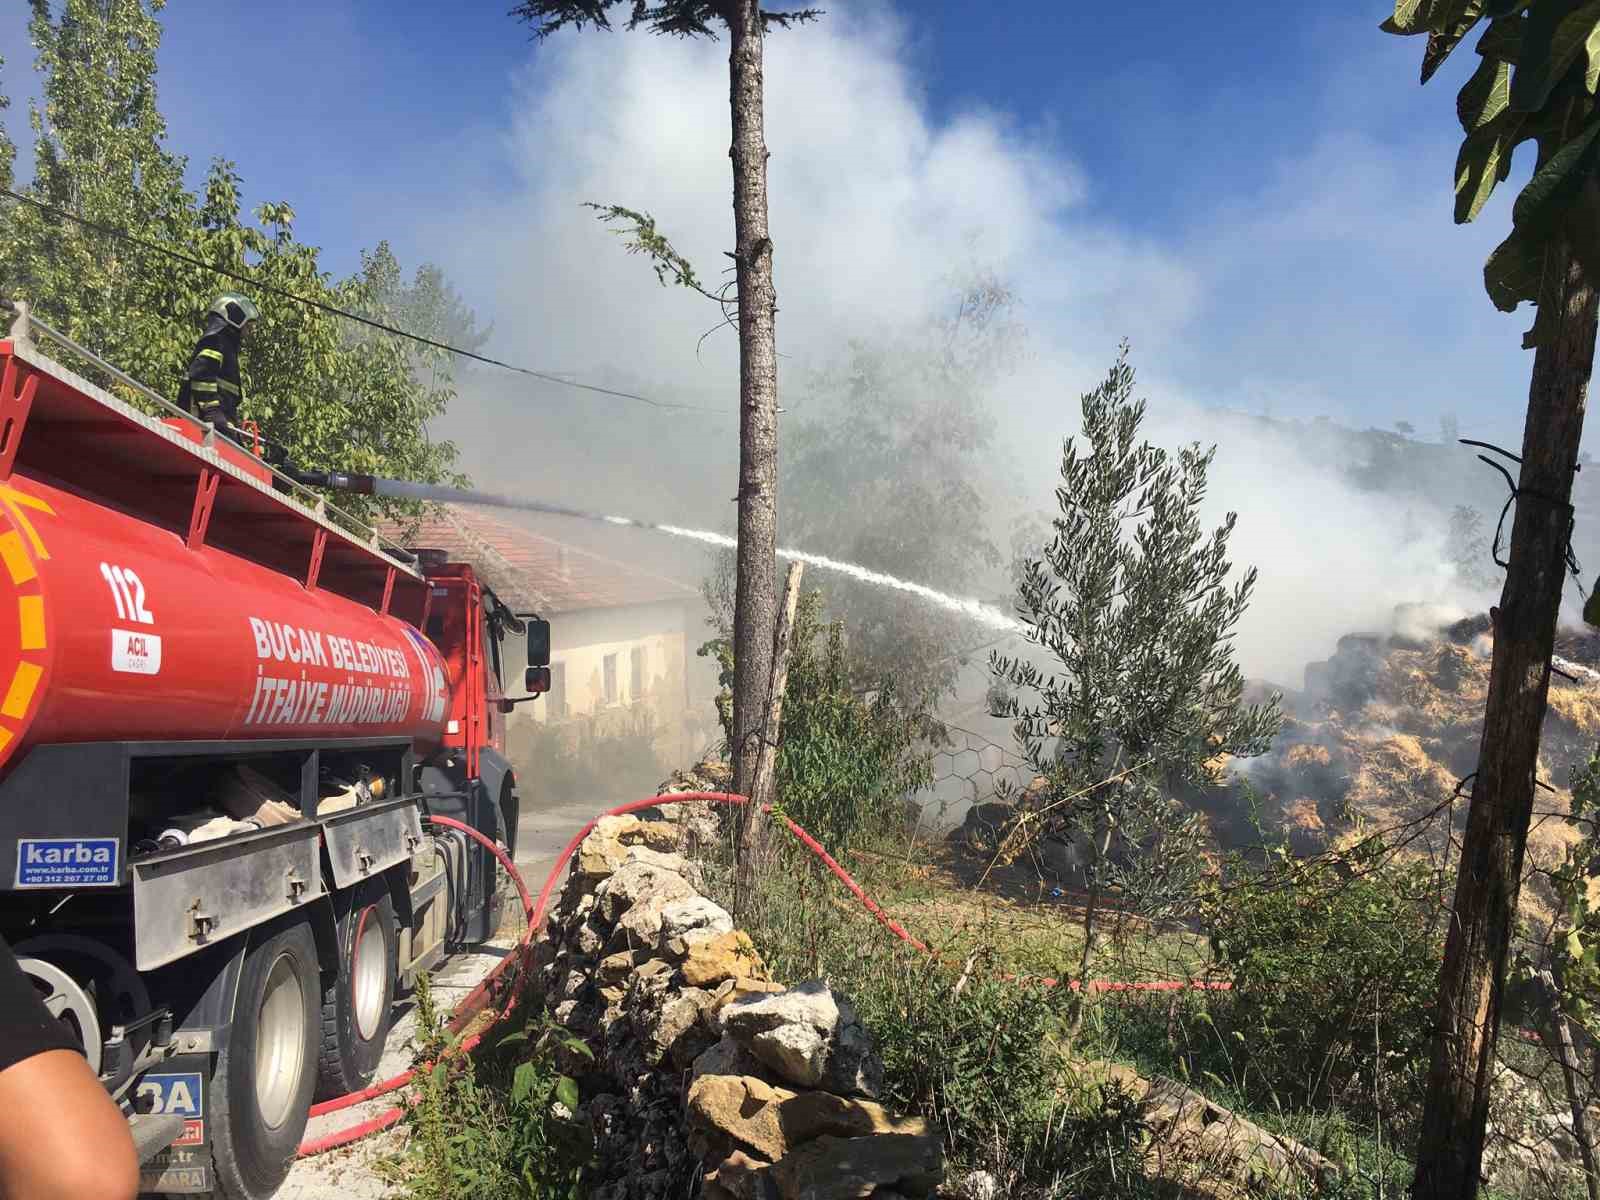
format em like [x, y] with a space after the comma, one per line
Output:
[213, 354]
[231, 388]
[203, 385]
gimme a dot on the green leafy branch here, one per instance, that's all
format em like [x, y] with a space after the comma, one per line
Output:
[641, 236]
[1537, 82]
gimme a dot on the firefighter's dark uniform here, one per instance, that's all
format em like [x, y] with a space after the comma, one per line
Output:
[210, 387]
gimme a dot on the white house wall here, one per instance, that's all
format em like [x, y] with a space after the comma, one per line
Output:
[679, 687]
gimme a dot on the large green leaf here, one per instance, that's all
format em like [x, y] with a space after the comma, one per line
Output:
[1484, 96]
[1512, 273]
[1503, 39]
[1579, 35]
[1484, 161]
[1548, 194]
[1410, 16]
[1495, 9]
[1556, 33]
[1443, 41]
[1430, 16]
[567, 1092]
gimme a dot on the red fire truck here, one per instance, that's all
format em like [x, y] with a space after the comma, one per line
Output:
[226, 709]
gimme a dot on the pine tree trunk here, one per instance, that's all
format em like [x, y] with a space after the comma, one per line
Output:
[755, 589]
[1472, 982]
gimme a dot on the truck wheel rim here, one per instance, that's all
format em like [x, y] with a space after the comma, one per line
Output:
[280, 1041]
[367, 969]
[68, 1003]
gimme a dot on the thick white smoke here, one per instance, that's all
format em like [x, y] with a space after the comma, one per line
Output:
[1285, 297]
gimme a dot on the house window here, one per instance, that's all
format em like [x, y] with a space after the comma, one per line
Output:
[636, 679]
[556, 699]
[610, 670]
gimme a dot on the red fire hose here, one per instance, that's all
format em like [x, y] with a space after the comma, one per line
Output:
[477, 999]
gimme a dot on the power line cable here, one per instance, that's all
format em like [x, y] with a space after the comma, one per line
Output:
[394, 331]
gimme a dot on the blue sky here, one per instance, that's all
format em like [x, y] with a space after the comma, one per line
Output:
[1287, 169]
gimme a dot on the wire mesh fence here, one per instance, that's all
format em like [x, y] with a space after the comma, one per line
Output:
[968, 770]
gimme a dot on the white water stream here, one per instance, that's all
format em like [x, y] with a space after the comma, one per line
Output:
[975, 610]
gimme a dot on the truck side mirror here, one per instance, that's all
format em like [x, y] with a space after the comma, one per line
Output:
[536, 680]
[537, 634]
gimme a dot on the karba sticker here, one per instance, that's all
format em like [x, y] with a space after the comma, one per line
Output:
[68, 862]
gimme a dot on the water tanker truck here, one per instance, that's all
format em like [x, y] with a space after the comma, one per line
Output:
[227, 711]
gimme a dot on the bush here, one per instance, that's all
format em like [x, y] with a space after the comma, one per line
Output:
[847, 761]
[500, 1126]
[977, 1056]
[1334, 966]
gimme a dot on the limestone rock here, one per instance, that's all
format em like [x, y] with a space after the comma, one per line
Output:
[810, 1037]
[676, 863]
[650, 981]
[708, 775]
[694, 913]
[603, 851]
[727, 1057]
[673, 1030]
[588, 939]
[834, 1168]
[731, 991]
[742, 1109]
[771, 1121]
[640, 927]
[634, 882]
[615, 968]
[810, 1115]
[677, 948]
[1187, 1126]
[742, 1178]
[726, 956]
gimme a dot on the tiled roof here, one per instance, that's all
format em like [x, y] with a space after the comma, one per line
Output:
[533, 572]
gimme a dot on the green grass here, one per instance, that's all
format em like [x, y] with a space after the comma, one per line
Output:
[983, 1063]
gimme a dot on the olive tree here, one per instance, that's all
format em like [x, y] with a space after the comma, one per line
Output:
[1132, 605]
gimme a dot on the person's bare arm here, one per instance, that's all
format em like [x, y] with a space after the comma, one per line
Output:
[60, 1133]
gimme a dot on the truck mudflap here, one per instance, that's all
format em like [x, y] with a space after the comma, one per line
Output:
[178, 1088]
[197, 896]
[367, 841]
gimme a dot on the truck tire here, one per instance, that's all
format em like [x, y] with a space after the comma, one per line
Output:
[358, 1001]
[261, 1088]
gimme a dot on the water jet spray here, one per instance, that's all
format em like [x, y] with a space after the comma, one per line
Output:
[400, 489]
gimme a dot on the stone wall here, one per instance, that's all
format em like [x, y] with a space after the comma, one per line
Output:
[710, 1078]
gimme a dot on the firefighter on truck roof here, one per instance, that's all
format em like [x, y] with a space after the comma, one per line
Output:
[210, 387]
